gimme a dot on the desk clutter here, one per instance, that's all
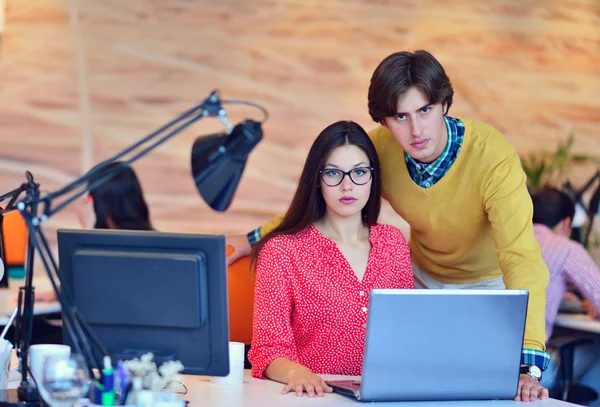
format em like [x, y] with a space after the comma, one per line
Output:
[63, 379]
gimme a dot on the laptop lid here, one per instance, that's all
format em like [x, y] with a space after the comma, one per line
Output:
[443, 344]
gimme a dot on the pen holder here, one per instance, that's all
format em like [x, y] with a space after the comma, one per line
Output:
[137, 382]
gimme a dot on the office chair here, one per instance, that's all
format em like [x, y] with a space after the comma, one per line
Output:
[241, 302]
[15, 235]
[568, 390]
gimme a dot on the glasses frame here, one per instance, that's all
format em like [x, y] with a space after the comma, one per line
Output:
[348, 173]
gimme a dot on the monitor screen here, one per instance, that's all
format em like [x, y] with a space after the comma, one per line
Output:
[145, 291]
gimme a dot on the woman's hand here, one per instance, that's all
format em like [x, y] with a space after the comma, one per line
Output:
[303, 380]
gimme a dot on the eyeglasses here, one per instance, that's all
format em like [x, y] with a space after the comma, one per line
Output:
[359, 176]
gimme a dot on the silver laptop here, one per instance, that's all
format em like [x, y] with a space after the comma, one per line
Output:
[441, 345]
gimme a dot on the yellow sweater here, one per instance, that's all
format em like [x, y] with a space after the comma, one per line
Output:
[475, 223]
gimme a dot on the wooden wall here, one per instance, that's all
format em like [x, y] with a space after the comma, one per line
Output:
[81, 79]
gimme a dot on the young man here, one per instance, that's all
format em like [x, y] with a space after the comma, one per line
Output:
[460, 186]
[569, 263]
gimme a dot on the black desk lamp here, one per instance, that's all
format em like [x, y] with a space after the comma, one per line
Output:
[217, 165]
[592, 209]
[24, 318]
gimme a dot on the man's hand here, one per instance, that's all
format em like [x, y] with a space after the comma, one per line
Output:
[530, 389]
[241, 247]
[305, 381]
[589, 309]
[570, 296]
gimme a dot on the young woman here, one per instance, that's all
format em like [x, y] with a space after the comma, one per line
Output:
[314, 272]
[117, 203]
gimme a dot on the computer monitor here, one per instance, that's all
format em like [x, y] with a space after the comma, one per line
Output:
[145, 291]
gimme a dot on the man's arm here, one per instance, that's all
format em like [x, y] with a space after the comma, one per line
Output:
[584, 274]
[242, 244]
[509, 208]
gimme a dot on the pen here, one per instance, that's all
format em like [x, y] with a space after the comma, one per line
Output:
[108, 383]
[121, 382]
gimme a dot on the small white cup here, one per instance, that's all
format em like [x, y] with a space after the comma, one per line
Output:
[236, 366]
[39, 353]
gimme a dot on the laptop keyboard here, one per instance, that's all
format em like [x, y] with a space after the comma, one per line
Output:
[348, 384]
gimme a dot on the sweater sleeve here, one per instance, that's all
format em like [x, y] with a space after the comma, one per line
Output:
[272, 224]
[509, 209]
[377, 138]
[272, 335]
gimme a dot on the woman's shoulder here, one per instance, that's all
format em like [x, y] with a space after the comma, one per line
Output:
[288, 241]
[284, 252]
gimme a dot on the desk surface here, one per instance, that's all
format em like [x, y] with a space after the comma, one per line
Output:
[265, 393]
[579, 322]
[7, 295]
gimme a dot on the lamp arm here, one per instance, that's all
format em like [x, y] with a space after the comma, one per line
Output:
[13, 195]
[592, 211]
[588, 184]
[210, 107]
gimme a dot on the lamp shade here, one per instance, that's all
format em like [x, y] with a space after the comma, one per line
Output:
[218, 162]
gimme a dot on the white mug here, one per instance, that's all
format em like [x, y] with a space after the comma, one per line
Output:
[39, 353]
[236, 365]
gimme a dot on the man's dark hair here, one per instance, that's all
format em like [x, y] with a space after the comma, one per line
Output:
[551, 206]
[401, 71]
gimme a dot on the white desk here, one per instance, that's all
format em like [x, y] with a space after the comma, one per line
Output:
[265, 393]
[579, 322]
[8, 304]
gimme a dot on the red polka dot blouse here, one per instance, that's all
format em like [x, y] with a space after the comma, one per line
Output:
[310, 307]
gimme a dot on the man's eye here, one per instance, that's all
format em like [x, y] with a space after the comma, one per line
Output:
[401, 116]
[425, 109]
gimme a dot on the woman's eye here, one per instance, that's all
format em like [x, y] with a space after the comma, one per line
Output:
[331, 173]
[401, 116]
[425, 109]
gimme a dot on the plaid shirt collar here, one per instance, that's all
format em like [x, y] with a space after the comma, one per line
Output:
[427, 174]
